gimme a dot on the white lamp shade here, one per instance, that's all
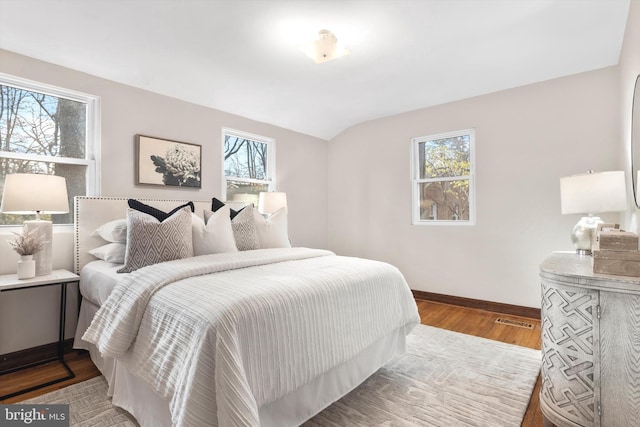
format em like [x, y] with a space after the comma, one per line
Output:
[26, 193]
[271, 202]
[593, 193]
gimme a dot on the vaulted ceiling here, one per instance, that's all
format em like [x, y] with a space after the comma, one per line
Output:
[244, 57]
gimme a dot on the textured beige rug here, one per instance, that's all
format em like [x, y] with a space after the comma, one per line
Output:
[445, 379]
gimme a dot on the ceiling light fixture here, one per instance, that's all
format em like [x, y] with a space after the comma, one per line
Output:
[325, 48]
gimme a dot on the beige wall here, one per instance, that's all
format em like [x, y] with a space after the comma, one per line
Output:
[301, 171]
[526, 139]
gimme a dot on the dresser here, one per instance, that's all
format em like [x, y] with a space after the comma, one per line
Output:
[590, 344]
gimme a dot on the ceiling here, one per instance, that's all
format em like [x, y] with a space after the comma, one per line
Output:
[244, 57]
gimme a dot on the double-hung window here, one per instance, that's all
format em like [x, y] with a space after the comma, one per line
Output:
[49, 130]
[443, 178]
[249, 166]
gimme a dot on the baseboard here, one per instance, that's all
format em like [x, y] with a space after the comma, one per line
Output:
[514, 310]
[31, 355]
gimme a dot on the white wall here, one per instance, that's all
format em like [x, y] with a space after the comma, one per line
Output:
[301, 171]
[526, 139]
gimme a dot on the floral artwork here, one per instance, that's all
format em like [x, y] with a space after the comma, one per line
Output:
[165, 162]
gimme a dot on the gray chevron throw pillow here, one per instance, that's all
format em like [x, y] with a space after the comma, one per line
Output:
[150, 241]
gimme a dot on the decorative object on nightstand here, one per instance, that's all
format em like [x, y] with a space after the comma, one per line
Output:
[591, 193]
[26, 244]
[271, 202]
[27, 193]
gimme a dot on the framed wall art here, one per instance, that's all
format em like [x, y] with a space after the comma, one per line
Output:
[165, 162]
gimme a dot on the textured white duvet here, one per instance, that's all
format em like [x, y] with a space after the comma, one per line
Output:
[219, 336]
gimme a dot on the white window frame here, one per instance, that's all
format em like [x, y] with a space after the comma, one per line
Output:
[416, 180]
[92, 147]
[271, 160]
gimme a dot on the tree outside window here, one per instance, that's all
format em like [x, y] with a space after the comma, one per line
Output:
[248, 166]
[443, 178]
[42, 131]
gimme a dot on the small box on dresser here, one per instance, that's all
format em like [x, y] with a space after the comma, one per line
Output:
[616, 241]
[619, 262]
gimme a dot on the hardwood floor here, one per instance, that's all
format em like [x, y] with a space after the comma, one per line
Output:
[79, 362]
[460, 319]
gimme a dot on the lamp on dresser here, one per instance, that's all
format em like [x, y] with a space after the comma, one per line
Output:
[27, 194]
[591, 193]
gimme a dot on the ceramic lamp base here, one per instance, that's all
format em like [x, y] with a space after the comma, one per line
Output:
[44, 257]
[584, 233]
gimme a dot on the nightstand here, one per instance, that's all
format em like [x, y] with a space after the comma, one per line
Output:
[9, 283]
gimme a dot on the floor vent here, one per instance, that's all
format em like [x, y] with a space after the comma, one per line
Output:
[514, 323]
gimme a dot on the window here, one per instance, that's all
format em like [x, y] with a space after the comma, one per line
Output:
[443, 187]
[249, 166]
[49, 130]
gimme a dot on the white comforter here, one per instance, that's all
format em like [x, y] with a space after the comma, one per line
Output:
[219, 336]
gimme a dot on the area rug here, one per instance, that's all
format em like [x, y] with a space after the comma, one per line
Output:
[444, 379]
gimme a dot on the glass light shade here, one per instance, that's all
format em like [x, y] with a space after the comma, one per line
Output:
[271, 202]
[591, 193]
[325, 48]
[26, 193]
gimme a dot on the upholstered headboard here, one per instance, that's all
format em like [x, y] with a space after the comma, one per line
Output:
[92, 212]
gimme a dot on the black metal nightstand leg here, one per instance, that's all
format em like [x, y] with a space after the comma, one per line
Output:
[60, 351]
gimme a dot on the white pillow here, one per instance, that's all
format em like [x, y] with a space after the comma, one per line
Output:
[113, 231]
[272, 231]
[111, 252]
[216, 235]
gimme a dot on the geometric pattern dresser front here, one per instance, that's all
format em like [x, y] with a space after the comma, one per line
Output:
[590, 345]
[569, 346]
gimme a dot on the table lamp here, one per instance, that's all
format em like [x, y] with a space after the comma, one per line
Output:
[591, 193]
[25, 194]
[271, 202]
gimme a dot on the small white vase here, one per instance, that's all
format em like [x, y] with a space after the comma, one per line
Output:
[26, 267]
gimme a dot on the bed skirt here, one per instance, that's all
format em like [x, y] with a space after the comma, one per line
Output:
[130, 393]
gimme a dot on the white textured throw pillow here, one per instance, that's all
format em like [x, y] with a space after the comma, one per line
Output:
[113, 231]
[244, 230]
[150, 241]
[272, 231]
[214, 235]
[111, 252]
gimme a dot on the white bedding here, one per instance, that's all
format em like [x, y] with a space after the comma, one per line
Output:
[97, 280]
[234, 341]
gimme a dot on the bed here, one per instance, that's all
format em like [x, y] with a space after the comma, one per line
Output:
[267, 336]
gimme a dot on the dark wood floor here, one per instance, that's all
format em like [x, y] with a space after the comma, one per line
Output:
[460, 319]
